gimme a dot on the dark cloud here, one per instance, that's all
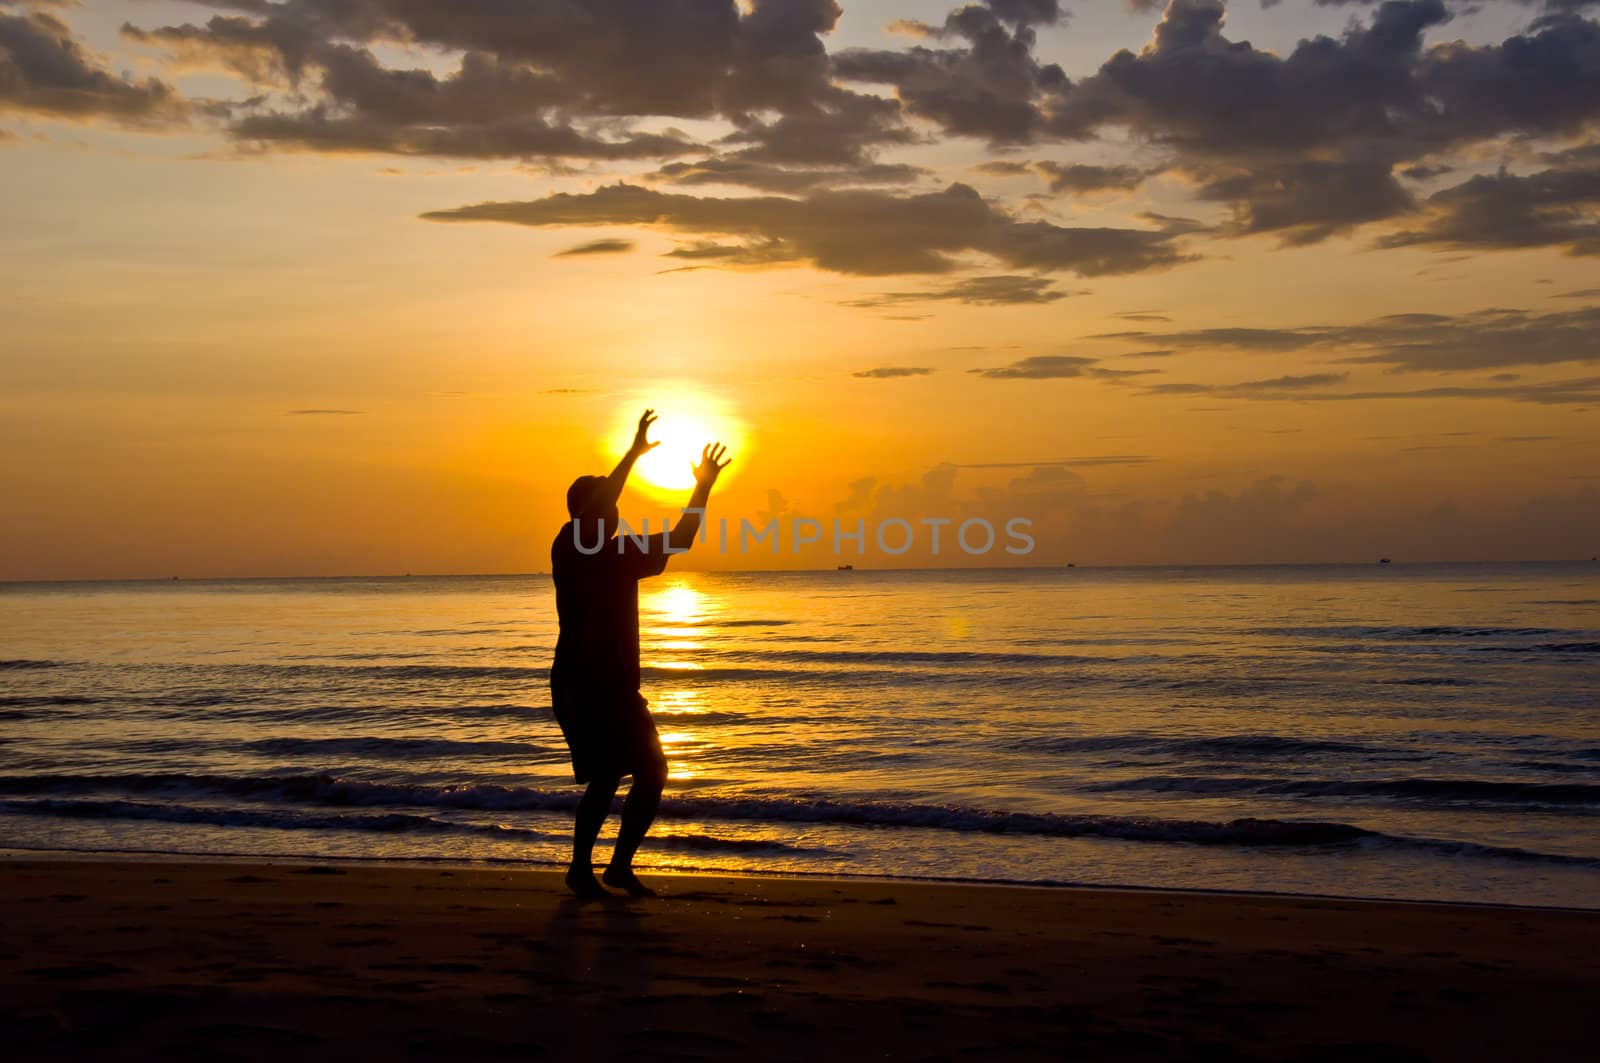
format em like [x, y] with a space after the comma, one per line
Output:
[1040, 367]
[1274, 386]
[317, 130]
[486, 108]
[688, 58]
[1087, 462]
[1058, 367]
[563, 79]
[766, 177]
[1001, 290]
[597, 247]
[44, 70]
[1553, 208]
[1293, 383]
[1004, 168]
[838, 128]
[1082, 177]
[1425, 172]
[1580, 391]
[1305, 145]
[1484, 339]
[989, 85]
[857, 232]
[890, 372]
[1305, 202]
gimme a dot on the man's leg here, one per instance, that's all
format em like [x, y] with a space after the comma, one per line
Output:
[638, 812]
[592, 810]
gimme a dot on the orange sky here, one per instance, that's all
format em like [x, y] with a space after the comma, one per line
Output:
[366, 303]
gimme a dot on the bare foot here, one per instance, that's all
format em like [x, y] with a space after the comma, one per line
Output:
[623, 878]
[581, 880]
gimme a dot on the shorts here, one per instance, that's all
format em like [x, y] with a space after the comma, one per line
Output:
[609, 733]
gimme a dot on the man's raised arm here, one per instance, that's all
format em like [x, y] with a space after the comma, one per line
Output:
[705, 474]
[606, 495]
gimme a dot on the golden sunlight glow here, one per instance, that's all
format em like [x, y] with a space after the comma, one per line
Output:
[678, 603]
[687, 421]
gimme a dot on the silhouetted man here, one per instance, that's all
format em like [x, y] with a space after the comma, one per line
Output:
[594, 683]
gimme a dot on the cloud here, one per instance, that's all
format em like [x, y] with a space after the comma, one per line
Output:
[688, 58]
[1082, 177]
[1304, 145]
[1057, 367]
[890, 372]
[733, 170]
[324, 413]
[597, 247]
[1089, 462]
[988, 86]
[559, 79]
[1552, 208]
[44, 70]
[1040, 367]
[1305, 202]
[865, 233]
[1484, 339]
[975, 291]
[1581, 391]
[1261, 520]
[1004, 168]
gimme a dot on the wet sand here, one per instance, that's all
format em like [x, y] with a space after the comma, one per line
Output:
[290, 961]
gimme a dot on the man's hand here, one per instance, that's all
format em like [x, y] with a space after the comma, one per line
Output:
[711, 464]
[641, 445]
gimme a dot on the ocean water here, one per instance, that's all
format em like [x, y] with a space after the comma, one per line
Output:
[1425, 732]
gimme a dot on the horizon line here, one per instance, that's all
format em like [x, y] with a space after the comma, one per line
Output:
[1062, 566]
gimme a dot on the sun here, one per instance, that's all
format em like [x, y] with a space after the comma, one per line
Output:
[686, 421]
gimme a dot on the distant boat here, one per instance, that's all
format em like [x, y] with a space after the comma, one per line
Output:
[1384, 561]
[1071, 565]
[846, 568]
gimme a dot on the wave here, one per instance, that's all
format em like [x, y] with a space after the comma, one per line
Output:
[384, 823]
[913, 657]
[1255, 745]
[1482, 790]
[329, 790]
[1406, 632]
[22, 663]
[50, 795]
[395, 748]
[1550, 647]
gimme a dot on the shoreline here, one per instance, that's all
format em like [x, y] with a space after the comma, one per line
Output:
[11, 854]
[316, 959]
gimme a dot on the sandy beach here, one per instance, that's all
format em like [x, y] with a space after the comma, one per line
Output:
[333, 961]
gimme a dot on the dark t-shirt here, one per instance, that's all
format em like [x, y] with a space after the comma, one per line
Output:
[597, 601]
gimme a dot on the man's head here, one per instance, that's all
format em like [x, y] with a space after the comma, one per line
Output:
[579, 495]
